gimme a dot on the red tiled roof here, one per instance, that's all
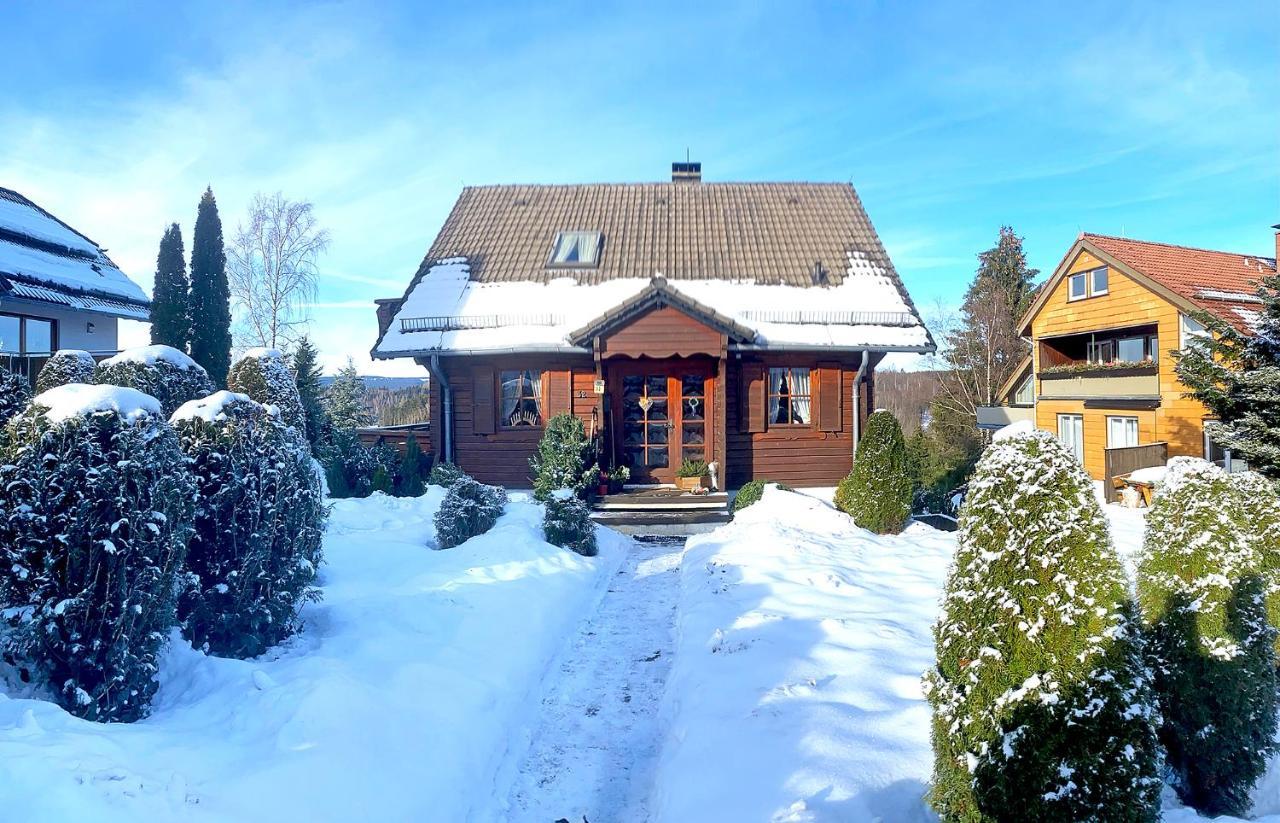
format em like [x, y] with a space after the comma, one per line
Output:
[1220, 282]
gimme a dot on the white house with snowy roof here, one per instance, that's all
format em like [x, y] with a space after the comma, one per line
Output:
[58, 289]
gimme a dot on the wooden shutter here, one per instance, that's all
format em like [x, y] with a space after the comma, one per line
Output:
[556, 388]
[753, 399]
[483, 406]
[830, 398]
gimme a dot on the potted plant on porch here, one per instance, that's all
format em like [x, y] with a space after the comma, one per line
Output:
[691, 474]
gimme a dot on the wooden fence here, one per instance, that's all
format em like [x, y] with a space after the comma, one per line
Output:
[396, 436]
[1121, 461]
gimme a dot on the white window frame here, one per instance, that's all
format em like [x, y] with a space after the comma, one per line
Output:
[1071, 286]
[1028, 388]
[586, 243]
[1076, 444]
[1185, 333]
[1094, 291]
[1129, 432]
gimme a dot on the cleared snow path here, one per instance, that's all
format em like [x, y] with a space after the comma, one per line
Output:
[592, 754]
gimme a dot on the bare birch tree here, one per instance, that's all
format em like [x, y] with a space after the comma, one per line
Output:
[272, 267]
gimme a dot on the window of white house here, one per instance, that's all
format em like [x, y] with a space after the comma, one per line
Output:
[1189, 328]
[10, 334]
[1026, 394]
[26, 335]
[576, 249]
[521, 398]
[1122, 432]
[789, 397]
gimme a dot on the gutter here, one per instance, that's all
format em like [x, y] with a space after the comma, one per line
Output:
[446, 398]
[857, 397]
[744, 347]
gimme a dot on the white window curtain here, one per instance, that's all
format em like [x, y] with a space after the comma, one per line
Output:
[799, 395]
[1122, 432]
[535, 383]
[510, 394]
[777, 383]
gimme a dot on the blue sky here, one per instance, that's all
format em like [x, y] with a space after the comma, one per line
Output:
[1158, 121]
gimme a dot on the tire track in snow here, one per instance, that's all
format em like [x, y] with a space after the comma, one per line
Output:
[593, 751]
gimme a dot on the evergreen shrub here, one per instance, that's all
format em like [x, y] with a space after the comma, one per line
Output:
[564, 459]
[1201, 586]
[878, 492]
[15, 393]
[161, 371]
[412, 468]
[66, 366]
[445, 474]
[266, 378]
[95, 514]
[470, 508]
[751, 492]
[567, 523]
[1041, 705]
[259, 521]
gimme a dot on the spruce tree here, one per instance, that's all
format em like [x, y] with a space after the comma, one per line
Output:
[411, 469]
[344, 402]
[1201, 585]
[563, 459]
[1041, 707]
[877, 493]
[210, 293]
[1236, 374]
[170, 299]
[306, 374]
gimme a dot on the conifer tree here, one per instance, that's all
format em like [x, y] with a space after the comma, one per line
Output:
[344, 402]
[170, 299]
[1236, 374]
[1041, 708]
[1201, 586]
[66, 366]
[877, 493]
[263, 375]
[563, 459]
[306, 374]
[161, 371]
[210, 293]
[411, 469]
[15, 392]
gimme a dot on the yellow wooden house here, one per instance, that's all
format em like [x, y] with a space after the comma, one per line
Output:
[1103, 330]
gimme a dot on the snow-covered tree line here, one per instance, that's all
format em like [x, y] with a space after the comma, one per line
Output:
[1056, 693]
[123, 514]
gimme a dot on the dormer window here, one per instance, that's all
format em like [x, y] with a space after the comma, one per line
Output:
[1092, 283]
[576, 249]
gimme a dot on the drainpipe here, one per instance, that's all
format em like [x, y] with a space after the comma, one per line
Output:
[446, 398]
[857, 397]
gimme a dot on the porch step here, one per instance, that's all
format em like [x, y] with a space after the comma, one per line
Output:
[661, 500]
[662, 523]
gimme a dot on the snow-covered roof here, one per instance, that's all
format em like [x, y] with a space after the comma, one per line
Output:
[447, 311]
[149, 355]
[44, 260]
[81, 400]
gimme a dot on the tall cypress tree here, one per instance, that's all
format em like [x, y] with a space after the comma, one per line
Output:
[306, 372]
[170, 311]
[210, 294]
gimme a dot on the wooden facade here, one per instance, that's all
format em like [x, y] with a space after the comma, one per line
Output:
[665, 347]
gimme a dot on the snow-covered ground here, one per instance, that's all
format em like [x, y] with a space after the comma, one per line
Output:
[795, 693]
[769, 671]
[396, 702]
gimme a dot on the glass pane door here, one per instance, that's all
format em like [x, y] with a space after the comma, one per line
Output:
[646, 423]
[693, 417]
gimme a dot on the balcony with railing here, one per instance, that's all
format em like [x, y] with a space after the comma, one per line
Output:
[29, 364]
[1121, 363]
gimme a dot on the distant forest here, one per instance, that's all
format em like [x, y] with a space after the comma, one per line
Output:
[908, 394]
[392, 407]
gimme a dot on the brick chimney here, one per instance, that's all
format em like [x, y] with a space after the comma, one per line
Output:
[387, 308]
[686, 172]
[1277, 228]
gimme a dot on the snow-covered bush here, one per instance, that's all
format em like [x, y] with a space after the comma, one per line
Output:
[163, 372]
[567, 523]
[469, 508]
[1201, 586]
[751, 493]
[259, 520]
[15, 393]
[445, 474]
[412, 469]
[266, 378]
[386, 468]
[1262, 512]
[1041, 709]
[65, 366]
[95, 514]
[348, 465]
[564, 459]
[878, 492]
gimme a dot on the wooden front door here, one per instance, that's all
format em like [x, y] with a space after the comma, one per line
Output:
[662, 414]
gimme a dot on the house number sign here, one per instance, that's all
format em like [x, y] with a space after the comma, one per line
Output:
[599, 387]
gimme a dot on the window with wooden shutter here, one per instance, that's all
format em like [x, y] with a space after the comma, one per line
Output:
[753, 398]
[830, 400]
[483, 408]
